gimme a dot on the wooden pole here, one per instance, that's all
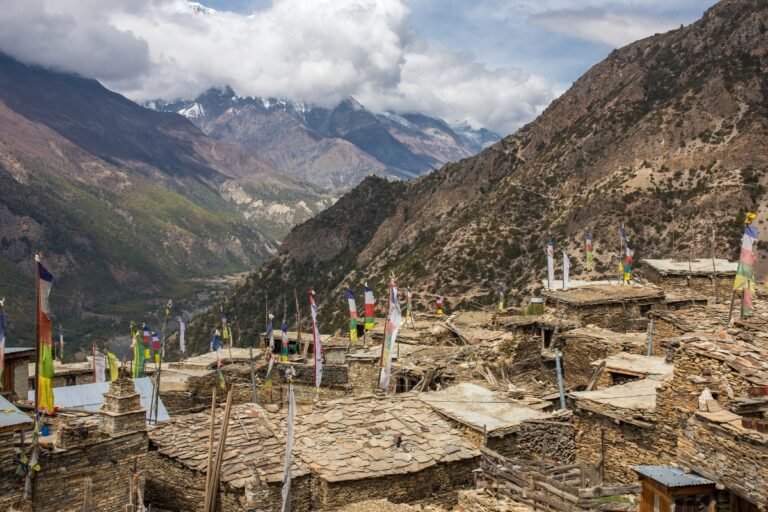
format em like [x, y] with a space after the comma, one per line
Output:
[730, 310]
[208, 468]
[560, 386]
[253, 376]
[714, 267]
[650, 337]
[220, 454]
[29, 484]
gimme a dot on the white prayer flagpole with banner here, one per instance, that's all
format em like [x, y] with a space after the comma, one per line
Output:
[2, 338]
[394, 320]
[550, 263]
[182, 341]
[316, 343]
[566, 271]
[99, 365]
[289, 435]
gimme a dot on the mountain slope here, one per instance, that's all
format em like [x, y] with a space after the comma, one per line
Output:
[667, 135]
[127, 204]
[333, 148]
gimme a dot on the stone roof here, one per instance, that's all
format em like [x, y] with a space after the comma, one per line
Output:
[606, 335]
[557, 284]
[745, 352]
[354, 438]
[605, 294]
[636, 364]
[254, 445]
[636, 395]
[208, 360]
[714, 317]
[479, 408]
[699, 267]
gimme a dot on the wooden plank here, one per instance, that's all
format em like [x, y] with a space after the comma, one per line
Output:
[556, 491]
[597, 492]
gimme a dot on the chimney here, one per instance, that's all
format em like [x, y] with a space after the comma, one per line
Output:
[121, 411]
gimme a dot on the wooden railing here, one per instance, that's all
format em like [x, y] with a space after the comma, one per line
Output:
[571, 488]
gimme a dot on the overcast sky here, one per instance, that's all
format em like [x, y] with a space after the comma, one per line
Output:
[492, 63]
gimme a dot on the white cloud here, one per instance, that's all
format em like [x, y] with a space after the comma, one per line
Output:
[602, 26]
[313, 50]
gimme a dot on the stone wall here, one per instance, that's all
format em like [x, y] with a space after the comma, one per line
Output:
[174, 486]
[701, 284]
[436, 480]
[619, 317]
[550, 440]
[727, 456]
[579, 353]
[624, 445]
[678, 399]
[363, 375]
[11, 486]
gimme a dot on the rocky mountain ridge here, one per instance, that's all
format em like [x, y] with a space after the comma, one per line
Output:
[668, 136]
[334, 148]
[127, 204]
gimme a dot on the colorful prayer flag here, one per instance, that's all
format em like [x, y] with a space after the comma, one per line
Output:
[147, 336]
[745, 272]
[226, 333]
[216, 346]
[2, 343]
[284, 343]
[439, 305]
[394, 319]
[408, 303]
[588, 263]
[114, 366]
[139, 361]
[501, 297]
[352, 315]
[628, 255]
[566, 271]
[45, 340]
[550, 263]
[156, 347]
[369, 308]
[317, 345]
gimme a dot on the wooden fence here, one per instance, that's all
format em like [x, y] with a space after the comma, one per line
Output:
[572, 488]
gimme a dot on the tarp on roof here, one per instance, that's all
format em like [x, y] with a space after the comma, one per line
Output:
[89, 397]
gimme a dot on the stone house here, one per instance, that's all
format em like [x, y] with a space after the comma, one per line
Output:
[394, 448]
[251, 474]
[524, 429]
[717, 445]
[624, 367]
[580, 347]
[620, 308]
[704, 276]
[103, 449]
[15, 379]
[616, 427]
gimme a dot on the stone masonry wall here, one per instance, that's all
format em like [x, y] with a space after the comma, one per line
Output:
[727, 458]
[616, 317]
[174, 486]
[551, 440]
[438, 479]
[701, 284]
[363, 375]
[579, 353]
[625, 445]
[678, 399]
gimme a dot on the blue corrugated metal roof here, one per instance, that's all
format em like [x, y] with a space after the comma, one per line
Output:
[671, 476]
[10, 415]
[14, 350]
[89, 397]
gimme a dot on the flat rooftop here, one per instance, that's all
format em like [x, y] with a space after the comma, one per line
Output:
[354, 438]
[605, 294]
[479, 408]
[606, 335]
[636, 395]
[557, 284]
[699, 267]
[635, 364]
